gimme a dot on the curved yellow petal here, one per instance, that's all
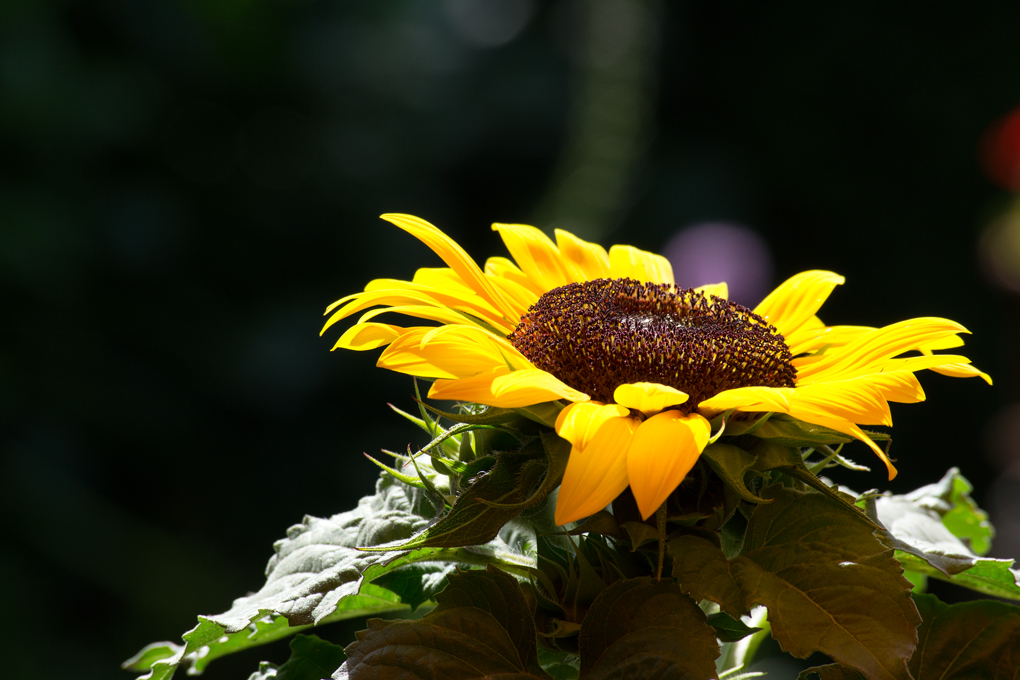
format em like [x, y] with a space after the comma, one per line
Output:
[440, 314]
[871, 350]
[597, 473]
[796, 300]
[537, 256]
[647, 397]
[962, 371]
[633, 263]
[717, 289]
[590, 258]
[449, 355]
[579, 422]
[394, 293]
[809, 338]
[453, 255]
[662, 452]
[504, 268]
[506, 389]
[364, 336]
[751, 399]
[475, 339]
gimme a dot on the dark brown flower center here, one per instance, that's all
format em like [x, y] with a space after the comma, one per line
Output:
[598, 335]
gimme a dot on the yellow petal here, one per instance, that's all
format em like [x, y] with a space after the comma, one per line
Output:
[504, 268]
[751, 399]
[597, 473]
[797, 299]
[363, 336]
[962, 371]
[440, 314]
[537, 256]
[506, 389]
[590, 258]
[578, 423]
[630, 262]
[662, 452]
[716, 289]
[447, 356]
[649, 398]
[872, 350]
[453, 255]
[809, 338]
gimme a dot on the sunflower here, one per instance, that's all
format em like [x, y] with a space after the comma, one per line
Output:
[638, 365]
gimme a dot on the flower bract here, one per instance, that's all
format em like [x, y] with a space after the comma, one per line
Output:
[638, 365]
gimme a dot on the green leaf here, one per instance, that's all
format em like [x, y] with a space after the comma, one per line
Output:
[416, 584]
[642, 629]
[812, 564]
[925, 543]
[950, 499]
[786, 431]
[316, 577]
[482, 627]
[979, 639]
[729, 629]
[703, 571]
[559, 665]
[732, 463]
[311, 658]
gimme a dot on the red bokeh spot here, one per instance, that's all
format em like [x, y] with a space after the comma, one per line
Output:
[1000, 151]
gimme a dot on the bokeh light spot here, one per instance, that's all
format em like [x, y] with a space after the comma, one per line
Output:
[722, 251]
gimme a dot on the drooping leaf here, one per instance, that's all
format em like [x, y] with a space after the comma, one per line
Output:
[482, 627]
[416, 584]
[979, 639]
[950, 499]
[729, 629]
[642, 629]
[311, 658]
[919, 523]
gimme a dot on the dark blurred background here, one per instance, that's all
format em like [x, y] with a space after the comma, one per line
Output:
[186, 184]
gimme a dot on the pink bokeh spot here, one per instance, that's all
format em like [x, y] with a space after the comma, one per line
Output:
[722, 251]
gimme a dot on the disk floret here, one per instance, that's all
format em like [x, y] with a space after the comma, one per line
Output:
[600, 334]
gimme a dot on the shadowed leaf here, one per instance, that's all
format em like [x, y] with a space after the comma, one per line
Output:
[643, 629]
[979, 639]
[481, 628]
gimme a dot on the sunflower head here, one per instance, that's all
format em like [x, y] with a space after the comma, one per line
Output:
[598, 335]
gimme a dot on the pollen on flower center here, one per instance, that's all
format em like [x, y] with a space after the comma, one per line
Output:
[598, 335]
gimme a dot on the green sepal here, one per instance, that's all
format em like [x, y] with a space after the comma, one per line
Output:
[484, 507]
[489, 416]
